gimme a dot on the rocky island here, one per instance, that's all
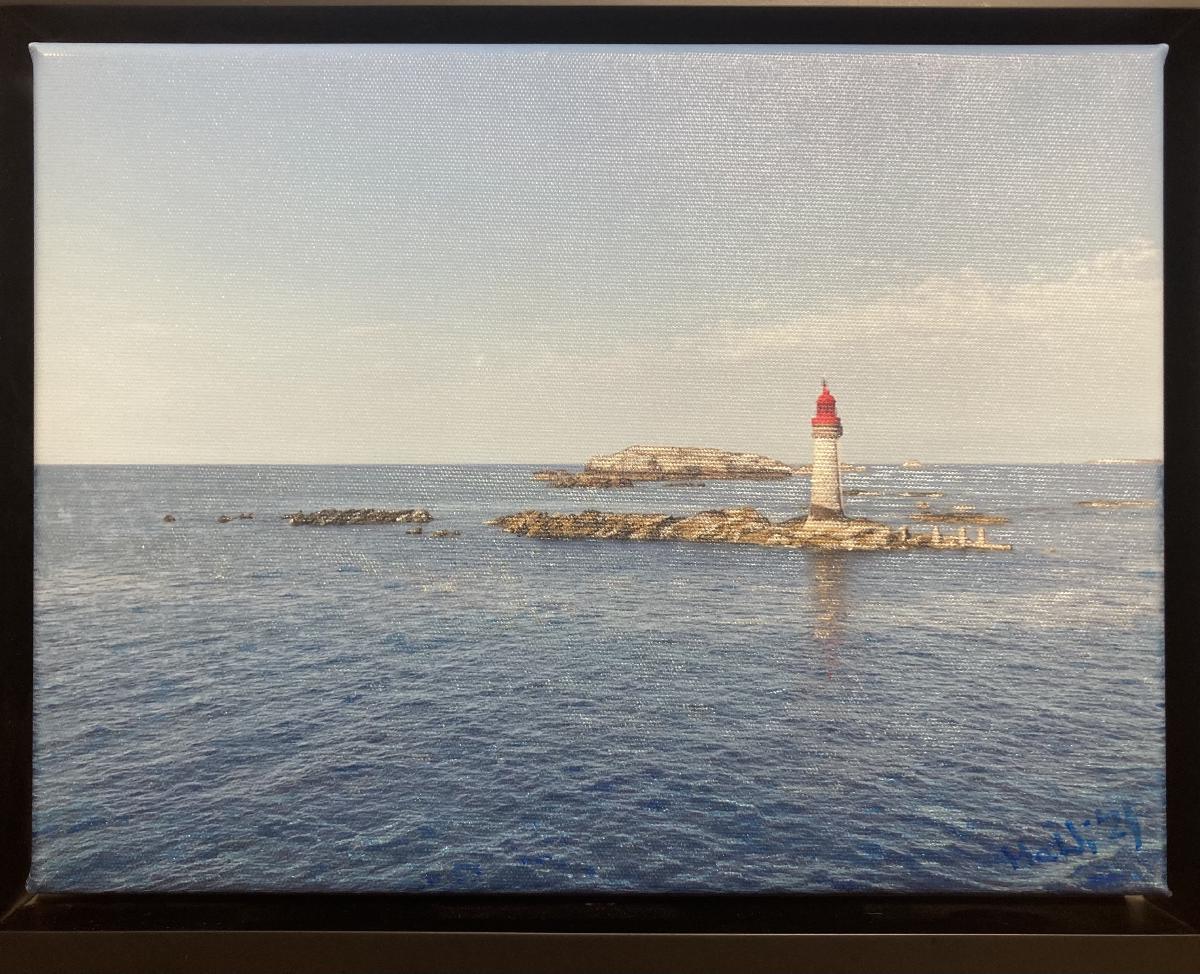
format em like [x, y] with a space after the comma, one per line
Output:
[332, 517]
[686, 463]
[738, 525]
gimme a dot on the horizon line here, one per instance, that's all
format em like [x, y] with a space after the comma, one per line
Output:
[1104, 462]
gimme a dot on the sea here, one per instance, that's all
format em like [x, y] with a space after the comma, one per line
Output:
[256, 706]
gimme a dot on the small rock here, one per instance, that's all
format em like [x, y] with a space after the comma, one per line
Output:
[224, 519]
[564, 478]
[415, 531]
[169, 519]
[445, 534]
[969, 516]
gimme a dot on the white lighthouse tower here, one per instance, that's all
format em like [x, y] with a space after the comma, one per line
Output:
[825, 501]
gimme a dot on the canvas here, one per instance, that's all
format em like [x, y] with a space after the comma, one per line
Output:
[625, 469]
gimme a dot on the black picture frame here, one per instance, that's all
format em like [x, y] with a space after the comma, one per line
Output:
[896, 933]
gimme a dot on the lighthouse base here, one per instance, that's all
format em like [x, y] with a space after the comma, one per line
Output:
[818, 512]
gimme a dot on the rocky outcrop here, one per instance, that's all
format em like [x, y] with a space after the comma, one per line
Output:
[686, 463]
[370, 515]
[739, 525]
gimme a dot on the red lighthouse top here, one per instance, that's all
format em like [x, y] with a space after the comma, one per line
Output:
[826, 408]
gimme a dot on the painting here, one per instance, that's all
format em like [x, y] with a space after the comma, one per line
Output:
[598, 469]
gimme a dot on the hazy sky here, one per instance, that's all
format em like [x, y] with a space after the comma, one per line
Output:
[533, 254]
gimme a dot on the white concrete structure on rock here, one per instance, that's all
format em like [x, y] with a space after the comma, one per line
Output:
[825, 499]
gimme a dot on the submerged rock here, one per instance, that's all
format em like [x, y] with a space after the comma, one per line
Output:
[168, 519]
[333, 517]
[224, 519]
[1116, 503]
[445, 534]
[415, 531]
[738, 525]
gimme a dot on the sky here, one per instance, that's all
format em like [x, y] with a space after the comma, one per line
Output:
[455, 254]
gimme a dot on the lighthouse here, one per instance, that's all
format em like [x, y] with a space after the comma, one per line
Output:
[826, 495]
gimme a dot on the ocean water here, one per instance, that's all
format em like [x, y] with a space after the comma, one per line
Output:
[256, 706]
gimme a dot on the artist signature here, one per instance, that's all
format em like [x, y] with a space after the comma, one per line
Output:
[1076, 838]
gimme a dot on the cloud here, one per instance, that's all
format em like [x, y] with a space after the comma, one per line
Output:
[1115, 295]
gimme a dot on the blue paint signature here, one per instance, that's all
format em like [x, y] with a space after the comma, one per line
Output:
[1071, 838]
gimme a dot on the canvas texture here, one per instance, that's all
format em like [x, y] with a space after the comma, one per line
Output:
[625, 469]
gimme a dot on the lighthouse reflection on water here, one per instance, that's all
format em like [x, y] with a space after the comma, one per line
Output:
[828, 570]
